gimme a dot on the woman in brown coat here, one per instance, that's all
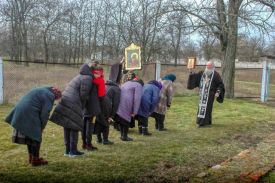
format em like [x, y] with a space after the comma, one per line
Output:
[165, 101]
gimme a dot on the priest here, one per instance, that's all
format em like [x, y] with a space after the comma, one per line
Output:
[211, 87]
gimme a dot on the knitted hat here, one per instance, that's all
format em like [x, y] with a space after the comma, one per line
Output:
[170, 77]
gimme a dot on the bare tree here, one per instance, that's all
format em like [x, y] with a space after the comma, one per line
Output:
[176, 30]
[222, 18]
[147, 28]
[49, 14]
[207, 43]
[18, 13]
[249, 48]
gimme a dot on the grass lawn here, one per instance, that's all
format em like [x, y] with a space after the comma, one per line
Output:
[176, 155]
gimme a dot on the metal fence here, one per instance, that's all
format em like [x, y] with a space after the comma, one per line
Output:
[21, 77]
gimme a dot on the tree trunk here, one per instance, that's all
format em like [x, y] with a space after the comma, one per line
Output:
[46, 48]
[228, 69]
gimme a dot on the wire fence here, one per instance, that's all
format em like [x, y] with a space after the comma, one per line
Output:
[20, 77]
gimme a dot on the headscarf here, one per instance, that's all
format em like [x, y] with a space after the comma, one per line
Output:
[98, 71]
[57, 93]
[170, 77]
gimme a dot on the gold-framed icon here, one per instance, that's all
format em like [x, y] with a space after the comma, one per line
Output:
[132, 57]
[191, 64]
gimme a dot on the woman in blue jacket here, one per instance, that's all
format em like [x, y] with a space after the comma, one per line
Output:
[149, 101]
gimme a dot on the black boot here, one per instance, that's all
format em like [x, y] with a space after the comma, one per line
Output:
[105, 137]
[125, 134]
[161, 126]
[145, 131]
[161, 123]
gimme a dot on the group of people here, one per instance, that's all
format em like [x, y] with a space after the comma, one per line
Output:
[89, 105]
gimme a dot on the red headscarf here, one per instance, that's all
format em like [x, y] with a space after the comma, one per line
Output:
[56, 92]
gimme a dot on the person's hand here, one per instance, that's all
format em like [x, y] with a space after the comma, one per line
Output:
[110, 120]
[217, 94]
[122, 60]
[133, 115]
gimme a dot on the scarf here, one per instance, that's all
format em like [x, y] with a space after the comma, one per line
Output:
[205, 85]
[100, 83]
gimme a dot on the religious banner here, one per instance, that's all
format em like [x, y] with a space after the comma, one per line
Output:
[132, 57]
[191, 62]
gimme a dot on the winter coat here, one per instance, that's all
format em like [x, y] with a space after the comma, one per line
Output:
[113, 93]
[69, 112]
[92, 107]
[150, 98]
[166, 94]
[130, 97]
[31, 113]
[105, 106]
[109, 103]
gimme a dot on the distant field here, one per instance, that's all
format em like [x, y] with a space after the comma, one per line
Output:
[18, 79]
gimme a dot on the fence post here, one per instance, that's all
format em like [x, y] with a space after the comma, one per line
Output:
[158, 69]
[1, 82]
[265, 81]
[268, 79]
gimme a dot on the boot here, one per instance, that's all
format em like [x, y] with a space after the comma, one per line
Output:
[107, 142]
[126, 139]
[36, 161]
[140, 129]
[90, 147]
[145, 131]
[105, 135]
[161, 126]
[125, 134]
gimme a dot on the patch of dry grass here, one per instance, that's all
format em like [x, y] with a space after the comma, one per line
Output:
[18, 79]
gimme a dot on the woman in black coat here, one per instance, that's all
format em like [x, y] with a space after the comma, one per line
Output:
[109, 106]
[69, 112]
[92, 109]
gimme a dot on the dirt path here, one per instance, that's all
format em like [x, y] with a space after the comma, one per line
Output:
[248, 166]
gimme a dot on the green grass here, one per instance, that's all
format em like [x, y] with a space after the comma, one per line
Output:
[178, 154]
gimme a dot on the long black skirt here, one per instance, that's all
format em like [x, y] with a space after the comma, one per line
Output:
[20, 138]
